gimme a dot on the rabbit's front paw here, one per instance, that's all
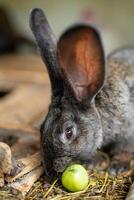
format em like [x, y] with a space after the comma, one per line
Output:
[117, 167]
[100, 161]
[120, 164]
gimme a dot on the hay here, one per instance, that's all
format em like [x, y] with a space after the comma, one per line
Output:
[101, 186]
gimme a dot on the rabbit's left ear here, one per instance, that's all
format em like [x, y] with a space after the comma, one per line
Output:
[81, 57]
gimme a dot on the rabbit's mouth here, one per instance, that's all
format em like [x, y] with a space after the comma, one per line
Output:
[59, 164]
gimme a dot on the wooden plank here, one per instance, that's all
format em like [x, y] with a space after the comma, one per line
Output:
[28, 164]
[23, 148]
[22, 173]
[23, 141]
[23, 185]
[14, 77]
[21, 62]
[21, 113]
[16, 69]
[17, 129]
[24, 104]
[30, 170]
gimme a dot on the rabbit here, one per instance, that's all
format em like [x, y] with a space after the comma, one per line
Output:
[92, 101]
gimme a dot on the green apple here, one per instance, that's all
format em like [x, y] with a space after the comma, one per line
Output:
[75, 178]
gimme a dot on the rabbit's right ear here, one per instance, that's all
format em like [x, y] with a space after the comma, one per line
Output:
[81, 57]
[47, 43]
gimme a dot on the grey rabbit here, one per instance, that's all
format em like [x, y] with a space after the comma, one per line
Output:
[92, 102]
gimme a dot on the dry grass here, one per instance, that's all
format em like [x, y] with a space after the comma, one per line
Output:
[101, 186]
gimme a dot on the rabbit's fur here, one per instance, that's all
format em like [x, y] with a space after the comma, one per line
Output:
[90, 108]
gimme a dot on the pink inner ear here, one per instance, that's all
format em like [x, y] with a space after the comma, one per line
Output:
[81, 57]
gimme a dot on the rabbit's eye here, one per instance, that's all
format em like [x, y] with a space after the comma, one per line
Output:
[69, 132]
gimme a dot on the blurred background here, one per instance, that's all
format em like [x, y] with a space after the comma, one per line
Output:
[113, 18]
[24, 85]
[18, 49]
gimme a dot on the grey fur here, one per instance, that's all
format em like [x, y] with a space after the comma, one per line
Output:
[107, 119]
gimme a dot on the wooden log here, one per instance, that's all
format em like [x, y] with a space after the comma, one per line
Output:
[27, 164]
[5, 161]
[24, 184]
[1, 178]
[13, 70]
[21, 112]
[22, 140]
[8, 165]
[15, 129]
[30, 171]
[24, 105]
[5, 158]
[14, 77]
[20, 62]
[21, 173]
[23, 148]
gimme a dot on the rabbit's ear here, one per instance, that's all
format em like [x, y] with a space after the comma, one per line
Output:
[81, 58]
[47, 43]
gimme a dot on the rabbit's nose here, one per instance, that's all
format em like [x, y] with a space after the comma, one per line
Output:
[59, 164]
